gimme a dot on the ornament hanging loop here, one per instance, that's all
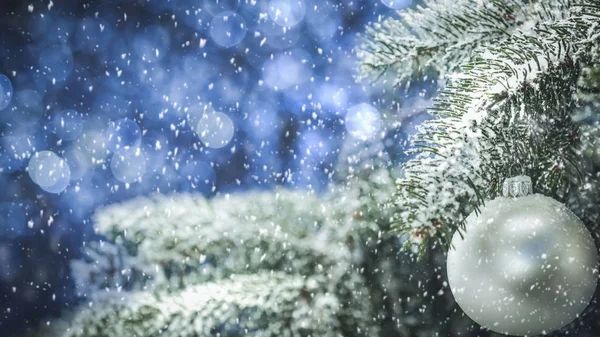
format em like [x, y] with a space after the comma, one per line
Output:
[518, 186]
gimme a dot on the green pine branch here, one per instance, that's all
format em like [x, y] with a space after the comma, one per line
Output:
[266, 247]
[508, 111]
[340, 238]
[183, 239]
[438, 38]
[261, 305]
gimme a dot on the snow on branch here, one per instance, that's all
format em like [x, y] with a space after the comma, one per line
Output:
[340, 240]
[108, 266]
[266, 304]
[440, 36]
[187, 238]
[259, 263]
[509, 111]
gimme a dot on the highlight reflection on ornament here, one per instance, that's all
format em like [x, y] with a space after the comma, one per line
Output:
[525, 266]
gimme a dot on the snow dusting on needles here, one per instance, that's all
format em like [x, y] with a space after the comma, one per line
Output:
[108, 100]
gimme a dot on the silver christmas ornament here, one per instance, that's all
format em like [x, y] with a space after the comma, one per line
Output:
[525, 266]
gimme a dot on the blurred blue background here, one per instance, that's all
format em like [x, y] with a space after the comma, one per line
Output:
[102, 101]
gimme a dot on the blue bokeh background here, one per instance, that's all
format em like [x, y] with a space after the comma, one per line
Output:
[132, 97]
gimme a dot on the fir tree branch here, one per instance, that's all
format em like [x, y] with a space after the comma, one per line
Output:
[268, 304]
[512, 104]
[441, 36]
[184, 239]
[356, 220]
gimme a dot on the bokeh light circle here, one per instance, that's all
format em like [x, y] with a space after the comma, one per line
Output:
[92, 143]
[284, 71]
[61, 184]
[67, 124]
[28, 108]
[263, 120]
[287, 13]
[324, 30]
[363, 121]
[123, 133]
[397, 4]
[128, 165]
[78, 161]
[14, 150]
[228, 29]
[6, 92]
[215, 129]
[49, 171]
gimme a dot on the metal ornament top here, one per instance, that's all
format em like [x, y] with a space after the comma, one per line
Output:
[518, 186]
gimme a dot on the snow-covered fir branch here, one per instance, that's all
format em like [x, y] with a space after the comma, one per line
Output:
[186, 238]
[488, 123]
[440, 36]
[265, 251]
[265, 304]
[108, 266]
[274, 239]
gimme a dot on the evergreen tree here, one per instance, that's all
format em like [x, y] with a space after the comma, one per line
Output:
[519, 95]
[520, 90]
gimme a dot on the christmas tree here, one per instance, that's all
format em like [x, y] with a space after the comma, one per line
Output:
[520, 86]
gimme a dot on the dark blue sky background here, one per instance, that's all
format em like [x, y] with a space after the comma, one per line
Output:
[102, 101]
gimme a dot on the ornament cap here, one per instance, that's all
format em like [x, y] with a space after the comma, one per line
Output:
[518, 186]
